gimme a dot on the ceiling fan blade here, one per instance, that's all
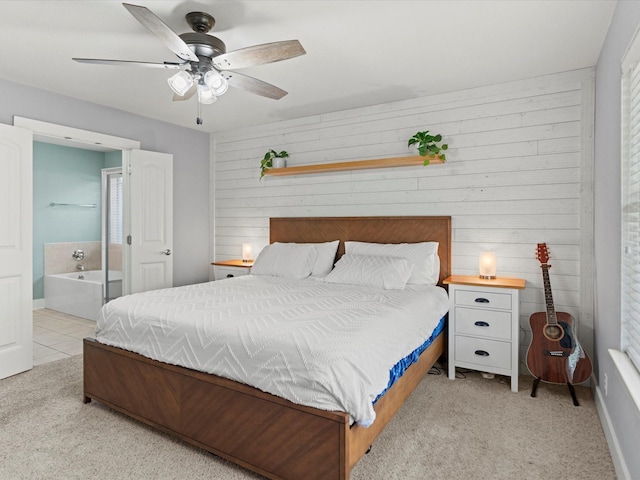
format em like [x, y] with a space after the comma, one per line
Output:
[171, 39]
[258, 55]
[253, 85]
[127, 63]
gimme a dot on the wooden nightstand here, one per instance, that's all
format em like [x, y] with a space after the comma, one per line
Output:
[484, 325]
[230, 268]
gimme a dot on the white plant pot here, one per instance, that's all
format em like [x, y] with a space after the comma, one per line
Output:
[279, 162]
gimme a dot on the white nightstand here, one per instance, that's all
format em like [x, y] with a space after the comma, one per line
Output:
[230, 268]
[484, 325]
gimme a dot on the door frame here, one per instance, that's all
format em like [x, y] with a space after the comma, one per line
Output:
[46, 132]
[74, 137]
[105, 232]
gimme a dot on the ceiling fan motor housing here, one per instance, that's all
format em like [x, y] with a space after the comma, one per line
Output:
[204, 45]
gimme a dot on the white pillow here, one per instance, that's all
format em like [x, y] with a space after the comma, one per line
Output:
[326, 256]
[390, 273]
[286, 260]
[422, 256]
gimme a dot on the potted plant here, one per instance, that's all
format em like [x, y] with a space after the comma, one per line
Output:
[428, 145]
[268, 160]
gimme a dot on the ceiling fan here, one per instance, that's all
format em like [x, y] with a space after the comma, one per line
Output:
[205, 65]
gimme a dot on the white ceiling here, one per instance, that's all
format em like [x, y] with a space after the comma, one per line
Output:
[359, 53]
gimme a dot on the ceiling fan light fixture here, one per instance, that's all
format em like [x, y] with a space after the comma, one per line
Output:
[181, 82]
[205, 94]
[216, 82]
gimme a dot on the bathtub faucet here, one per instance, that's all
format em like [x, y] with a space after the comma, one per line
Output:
[80, 267]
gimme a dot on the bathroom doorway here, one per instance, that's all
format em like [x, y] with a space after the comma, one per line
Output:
[68, 228]
[147, 260]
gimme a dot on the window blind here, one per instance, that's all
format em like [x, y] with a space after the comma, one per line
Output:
[631, 215]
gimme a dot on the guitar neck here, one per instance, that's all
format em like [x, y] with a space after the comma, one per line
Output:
[551, 311]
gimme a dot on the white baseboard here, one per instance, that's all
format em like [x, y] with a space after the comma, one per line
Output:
[622, 472]
[38, 303]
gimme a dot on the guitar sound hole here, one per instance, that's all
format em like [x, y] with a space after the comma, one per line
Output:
[553, 332]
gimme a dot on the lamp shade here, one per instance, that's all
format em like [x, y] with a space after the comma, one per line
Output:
[246, 252]
[487, 265]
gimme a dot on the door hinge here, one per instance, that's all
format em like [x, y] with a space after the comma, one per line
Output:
[128, 239]
[129, 169]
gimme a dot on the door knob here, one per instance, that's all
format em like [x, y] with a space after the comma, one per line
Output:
[167, 252]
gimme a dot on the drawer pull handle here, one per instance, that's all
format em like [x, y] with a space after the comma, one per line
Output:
[481, 324]
[482, 300]
[482, 353]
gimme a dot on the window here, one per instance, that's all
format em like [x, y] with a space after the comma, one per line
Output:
[627, 361]
[631, 206]
[115, 208]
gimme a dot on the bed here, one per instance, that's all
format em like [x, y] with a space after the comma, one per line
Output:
[260, 431]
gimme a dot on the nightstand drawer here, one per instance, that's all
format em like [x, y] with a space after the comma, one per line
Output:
[488, 353]
[480, 299]
[483, 323]
[224, 272]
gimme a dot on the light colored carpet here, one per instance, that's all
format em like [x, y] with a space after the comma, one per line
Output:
[467, 428]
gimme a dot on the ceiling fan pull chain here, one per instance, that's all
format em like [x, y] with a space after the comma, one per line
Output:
[199, 117]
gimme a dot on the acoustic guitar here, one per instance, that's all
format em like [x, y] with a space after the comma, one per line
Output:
[555, 355]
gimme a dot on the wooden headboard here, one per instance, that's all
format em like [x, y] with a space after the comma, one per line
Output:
[367, 229]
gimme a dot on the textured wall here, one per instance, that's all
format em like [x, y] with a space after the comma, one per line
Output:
[622, 412]
[514, 177]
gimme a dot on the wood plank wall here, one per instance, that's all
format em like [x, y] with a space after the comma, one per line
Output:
[518, 172]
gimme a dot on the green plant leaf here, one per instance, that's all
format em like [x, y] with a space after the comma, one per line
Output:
[267, 160]
[427, 144]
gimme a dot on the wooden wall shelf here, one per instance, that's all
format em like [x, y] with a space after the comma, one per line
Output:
[354, 165]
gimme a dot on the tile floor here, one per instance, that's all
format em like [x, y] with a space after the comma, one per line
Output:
[57, 335]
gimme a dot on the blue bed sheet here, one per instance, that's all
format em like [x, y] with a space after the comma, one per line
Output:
[399, 368]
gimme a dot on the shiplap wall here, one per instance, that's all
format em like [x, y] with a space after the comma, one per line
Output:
[518, 172]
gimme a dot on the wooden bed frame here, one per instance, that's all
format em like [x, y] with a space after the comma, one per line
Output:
[264, 433]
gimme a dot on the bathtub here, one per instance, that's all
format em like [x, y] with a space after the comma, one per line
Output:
[79, 293]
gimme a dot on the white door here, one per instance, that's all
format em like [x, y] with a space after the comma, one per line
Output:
[16, 217]
[148, 231]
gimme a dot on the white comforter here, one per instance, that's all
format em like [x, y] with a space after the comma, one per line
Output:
[323, 345]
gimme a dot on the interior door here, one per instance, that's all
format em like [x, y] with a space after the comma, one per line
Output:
[148, 220]
[16, 217]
